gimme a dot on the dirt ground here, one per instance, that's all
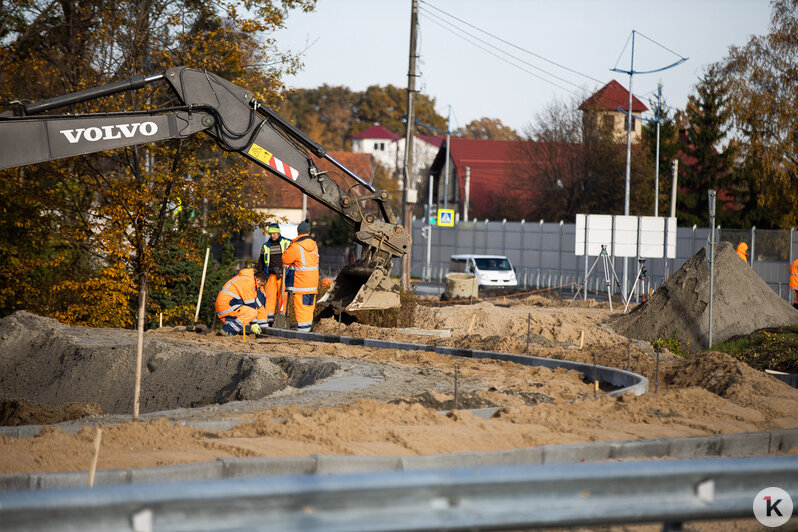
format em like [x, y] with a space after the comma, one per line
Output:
[299, 398]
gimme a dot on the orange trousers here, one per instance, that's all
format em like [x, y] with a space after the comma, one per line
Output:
[273, 286]
[303, 310]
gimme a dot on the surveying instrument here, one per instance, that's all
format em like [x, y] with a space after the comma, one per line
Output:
[608, 267]
[641, 276]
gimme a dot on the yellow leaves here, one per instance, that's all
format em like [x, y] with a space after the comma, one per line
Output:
[100, 301]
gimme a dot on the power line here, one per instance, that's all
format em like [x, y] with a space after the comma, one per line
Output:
[498, 56]
[500, 50]
[513, 45]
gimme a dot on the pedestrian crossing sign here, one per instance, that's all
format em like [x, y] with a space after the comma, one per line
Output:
[446, 217]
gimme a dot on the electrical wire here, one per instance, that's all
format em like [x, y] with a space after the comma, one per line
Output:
[508, 43]
[500, 57]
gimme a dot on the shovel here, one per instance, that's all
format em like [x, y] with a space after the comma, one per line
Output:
[281, 320]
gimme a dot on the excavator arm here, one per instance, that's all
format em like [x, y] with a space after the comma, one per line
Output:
[239, 123]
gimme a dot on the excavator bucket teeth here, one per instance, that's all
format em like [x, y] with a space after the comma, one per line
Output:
[359, 288]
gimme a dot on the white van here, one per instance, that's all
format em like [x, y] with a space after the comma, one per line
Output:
[490, 270]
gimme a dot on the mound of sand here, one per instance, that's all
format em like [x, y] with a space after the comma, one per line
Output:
[743, 303]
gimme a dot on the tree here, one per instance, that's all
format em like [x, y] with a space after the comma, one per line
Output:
[575, 169]
[325, 114]
[668, 149]
[99, 226]
[761, 91]
[387, 106]
[490, 129]
[706, 164]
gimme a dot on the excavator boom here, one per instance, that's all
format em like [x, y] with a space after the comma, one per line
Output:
[239, 123]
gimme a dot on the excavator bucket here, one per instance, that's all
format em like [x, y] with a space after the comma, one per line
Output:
[361, 288]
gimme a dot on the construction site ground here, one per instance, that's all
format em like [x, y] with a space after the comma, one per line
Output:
[292, 398]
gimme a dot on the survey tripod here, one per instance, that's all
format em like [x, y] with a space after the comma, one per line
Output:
[641, 277]
[608, 267]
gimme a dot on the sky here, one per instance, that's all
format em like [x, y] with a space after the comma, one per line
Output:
[558, 50]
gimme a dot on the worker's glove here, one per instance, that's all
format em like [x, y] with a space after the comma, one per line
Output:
[255, 328]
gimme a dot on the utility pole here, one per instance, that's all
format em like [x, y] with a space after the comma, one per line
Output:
[674, 178]
[446, 164]
[656, 165]
[410, 193]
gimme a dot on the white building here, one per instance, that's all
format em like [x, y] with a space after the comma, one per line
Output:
[388, 149]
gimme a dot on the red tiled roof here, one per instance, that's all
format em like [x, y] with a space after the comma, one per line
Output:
[377, 132]
[494, 173]
[283, 195]
[430, 139]
[610, 97]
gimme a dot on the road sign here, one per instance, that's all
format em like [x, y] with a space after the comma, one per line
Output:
[446, 217]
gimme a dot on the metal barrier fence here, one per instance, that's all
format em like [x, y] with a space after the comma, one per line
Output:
[543, 253]
[507, 497]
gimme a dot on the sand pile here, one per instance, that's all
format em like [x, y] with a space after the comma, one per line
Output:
[46, 363]
[743, 303]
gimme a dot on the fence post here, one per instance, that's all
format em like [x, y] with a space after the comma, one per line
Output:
[474, 237]
[693, 250]
[540, 254]
[523, 242]
[559, 261]
[485, 249]
[753, 244]
[504, 236]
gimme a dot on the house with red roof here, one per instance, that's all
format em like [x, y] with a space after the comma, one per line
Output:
[388, 149]
[608, 109]
[483, 179]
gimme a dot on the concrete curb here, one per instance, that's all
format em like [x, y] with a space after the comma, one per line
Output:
[688, 447]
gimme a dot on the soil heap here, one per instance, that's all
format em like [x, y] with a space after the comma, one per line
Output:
[743, 303]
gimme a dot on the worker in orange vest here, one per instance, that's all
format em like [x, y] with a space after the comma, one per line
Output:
[794, 281]
[302, 276]
[742, 251]
[240, 300]
[270, 262]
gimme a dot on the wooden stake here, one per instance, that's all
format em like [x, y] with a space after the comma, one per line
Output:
[98, 436]
[595, 377]
[456, 375]
[471, 325]
[582, 340]
[202, 284]
[528, 331]
[140, 345]
[160, 320]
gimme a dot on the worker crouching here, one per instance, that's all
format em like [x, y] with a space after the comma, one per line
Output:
[240, 301]
[302, 276]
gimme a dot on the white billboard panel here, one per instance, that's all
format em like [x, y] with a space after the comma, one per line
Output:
[622, 235]
[652, 237]
[671, 230]
[599, 233]
[625, 236]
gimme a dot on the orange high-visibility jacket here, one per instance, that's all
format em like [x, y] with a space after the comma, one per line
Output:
[302, 258]
[742, 251]
[239, 291]
[794, 275]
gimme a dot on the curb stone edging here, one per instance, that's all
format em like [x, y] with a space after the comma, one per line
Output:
[686, 447]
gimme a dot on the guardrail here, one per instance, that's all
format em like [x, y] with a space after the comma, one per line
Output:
[500, 498]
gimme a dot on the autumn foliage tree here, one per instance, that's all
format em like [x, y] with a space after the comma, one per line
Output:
[333, 115]
[573, 169]
[82, 236]
[761, 92]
